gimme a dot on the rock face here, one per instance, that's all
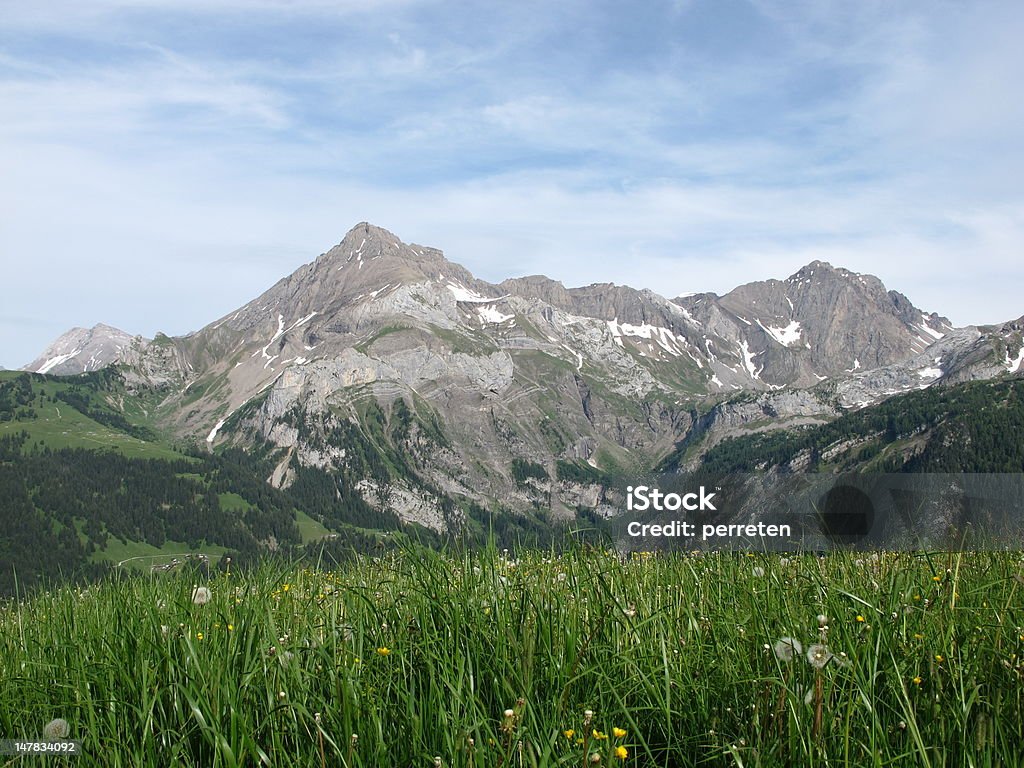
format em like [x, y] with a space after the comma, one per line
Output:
[524, 394]
[85, 349]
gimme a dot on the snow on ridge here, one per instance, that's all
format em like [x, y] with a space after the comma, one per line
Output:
[55, 361]
[303, 321]
[490, 314]
[785, 336]
[924, 327]
[684, 312]
[462, 293]
[663, 336]
[213, 432]
[1014, 365]
[930, 373]
[748, 360]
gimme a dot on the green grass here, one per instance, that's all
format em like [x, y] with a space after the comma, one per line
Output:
[57, 425]
[420, 655]
[309, 529]
[140, 555]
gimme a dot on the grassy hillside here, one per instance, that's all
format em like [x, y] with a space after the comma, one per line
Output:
[423, 659]
[74, 412]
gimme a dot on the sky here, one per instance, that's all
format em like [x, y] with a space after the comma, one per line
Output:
[162, 162]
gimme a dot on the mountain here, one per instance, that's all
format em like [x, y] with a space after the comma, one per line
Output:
[385, 373]
[84, 349]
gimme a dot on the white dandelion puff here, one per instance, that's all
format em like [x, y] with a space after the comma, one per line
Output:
[818, 656]
[787, 647]
[758, 571]
[201, 595]
[56, 729]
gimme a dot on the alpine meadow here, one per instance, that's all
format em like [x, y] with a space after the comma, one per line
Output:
[455, 384]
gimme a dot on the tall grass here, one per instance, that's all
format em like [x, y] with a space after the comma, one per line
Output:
[423, 659]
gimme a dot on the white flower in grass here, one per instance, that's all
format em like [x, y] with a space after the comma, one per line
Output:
[787, 647]
[56, 729]
[758, 571]
[818, 656]
[201, 595]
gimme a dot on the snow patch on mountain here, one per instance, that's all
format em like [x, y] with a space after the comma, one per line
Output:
[462, 293]
[785, 336]
[490, 314]
[748, 360]
[1014, 365]
[55, 361]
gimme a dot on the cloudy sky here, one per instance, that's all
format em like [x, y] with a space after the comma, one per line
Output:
[164, 161]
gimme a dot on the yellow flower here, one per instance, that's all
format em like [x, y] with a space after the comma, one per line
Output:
[618, 733]
[917, 681]
[231, 627]
[621, 752]
[917, 597]
[918, 636]
[383, 651]
[936, 578]
[939, 658]
[199, 635]
[286, 587]
[598, 735]
[859, 617]
[569, 733]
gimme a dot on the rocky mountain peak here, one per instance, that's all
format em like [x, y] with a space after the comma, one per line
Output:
[83, 349]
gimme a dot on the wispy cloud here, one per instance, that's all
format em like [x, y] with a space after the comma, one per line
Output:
[150, 149]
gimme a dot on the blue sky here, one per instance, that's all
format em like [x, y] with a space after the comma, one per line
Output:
[163, 162]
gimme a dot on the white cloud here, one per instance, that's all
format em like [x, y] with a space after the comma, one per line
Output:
[158, 188]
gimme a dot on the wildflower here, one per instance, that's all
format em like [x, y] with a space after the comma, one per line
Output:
[200, 595]
[383, 651]
[819, 655]
[618, 733]
[822, 619]
[787, 647]
[286, 587]
[231, 627]
[758, 571]
[199, 635]
[631, 611]
[939, 658]
[917, 680]
[56, 729]
[598, 735]
[860, 618]
[918, 636]
[569, 733]
[588, 715]
[936, 578]
[282, 695]
[595, 757]
[621, 752]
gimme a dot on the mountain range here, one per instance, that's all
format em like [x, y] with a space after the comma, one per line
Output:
[394, 375]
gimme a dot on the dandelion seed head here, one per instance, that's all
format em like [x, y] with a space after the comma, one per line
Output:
[818, 655]
[56, 729]
[200, 595]
[787, 647]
